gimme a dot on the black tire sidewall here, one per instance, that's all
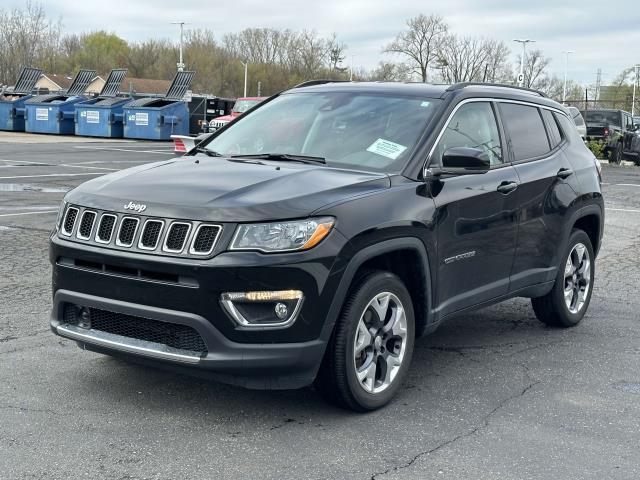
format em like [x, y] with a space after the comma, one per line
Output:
[567, 318]
[371, 286]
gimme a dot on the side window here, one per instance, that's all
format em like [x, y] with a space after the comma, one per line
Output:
[473, 126]
[526, 130]
[568, 129]
[628, 122]
[578, 120]
[554, 131]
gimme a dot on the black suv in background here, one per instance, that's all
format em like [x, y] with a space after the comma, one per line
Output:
[315, 237]
[617, 130]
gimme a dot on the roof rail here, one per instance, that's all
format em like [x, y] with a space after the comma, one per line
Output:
[460, 85]
[311, 83]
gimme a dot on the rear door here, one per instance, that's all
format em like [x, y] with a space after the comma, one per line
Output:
[536, 147]
[476, 214]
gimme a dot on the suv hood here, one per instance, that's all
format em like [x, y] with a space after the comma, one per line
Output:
[226, 190]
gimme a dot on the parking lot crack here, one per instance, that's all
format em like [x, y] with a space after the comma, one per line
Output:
[486, 420]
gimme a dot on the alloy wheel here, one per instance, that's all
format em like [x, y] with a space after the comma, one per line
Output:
[577, 278]
[380, 342]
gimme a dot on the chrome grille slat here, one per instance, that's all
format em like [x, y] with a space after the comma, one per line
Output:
[151, 234]
[127, 231]
[139, 233]
[86, 224]
[105, 228]
[69, 221]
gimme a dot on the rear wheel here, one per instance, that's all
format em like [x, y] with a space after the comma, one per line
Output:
[371, 348]
[615, 155]
[567, 302]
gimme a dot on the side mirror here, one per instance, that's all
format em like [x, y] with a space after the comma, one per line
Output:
[463, 161]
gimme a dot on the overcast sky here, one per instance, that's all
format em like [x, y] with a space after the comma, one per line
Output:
[602, 34]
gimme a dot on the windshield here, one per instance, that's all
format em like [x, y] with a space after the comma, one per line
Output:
[350, 130]
[608, 118]
[242, 106]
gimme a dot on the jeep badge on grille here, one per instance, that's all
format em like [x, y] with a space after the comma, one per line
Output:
[136, 207]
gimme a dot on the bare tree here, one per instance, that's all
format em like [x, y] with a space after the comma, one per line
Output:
[535, 70]
[390, 72]
[419, 42]
[498, 69]
[463, 59]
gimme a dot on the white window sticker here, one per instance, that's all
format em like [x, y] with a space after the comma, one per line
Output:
[42, 114]
[386, 148]
[142, 118]
[425, 104]
[93, 116]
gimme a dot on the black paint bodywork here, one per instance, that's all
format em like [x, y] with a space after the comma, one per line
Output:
[434, 222]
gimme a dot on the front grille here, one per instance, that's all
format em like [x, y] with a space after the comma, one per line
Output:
[105, 229]
[173, 335]
[150, 234]
[86, 224]
[69, 220]
[205, 239]
[127, 231]
[176, 237]
[140, 233]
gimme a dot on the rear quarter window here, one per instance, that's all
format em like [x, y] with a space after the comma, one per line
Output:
[552, 125]
[526, 131]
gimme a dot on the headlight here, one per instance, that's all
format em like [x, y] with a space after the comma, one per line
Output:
[282, 236]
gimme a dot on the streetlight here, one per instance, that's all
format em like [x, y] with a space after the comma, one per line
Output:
[566, 63]
[633, 102]
[524, 51]
[246, 64]
[182, 24]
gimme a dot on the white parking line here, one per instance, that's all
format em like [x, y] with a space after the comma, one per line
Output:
[626, 185]
[27, 213]
[70, 165]
[53, 175]
[621, 210]
[164, 152]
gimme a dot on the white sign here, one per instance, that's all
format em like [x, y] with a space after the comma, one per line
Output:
[142, 118]
[386, 148]
[93, 116]
[42, 114]
[520, 78]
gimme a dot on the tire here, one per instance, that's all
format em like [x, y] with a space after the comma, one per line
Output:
[554, 309]
[615, 155]
[358, 328]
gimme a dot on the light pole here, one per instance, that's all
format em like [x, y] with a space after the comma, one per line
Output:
[633, 101]
[182, 24]
[566, 64]
[524, 51]
[351, 70]
[246, 64]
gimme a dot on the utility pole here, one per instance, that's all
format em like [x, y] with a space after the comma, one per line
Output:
[596, 97]
[246, 65]
[182, 24]
[633, 102]
[566, 64]
[524, 52]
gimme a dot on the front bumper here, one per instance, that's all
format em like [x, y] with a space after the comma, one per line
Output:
[264, 359]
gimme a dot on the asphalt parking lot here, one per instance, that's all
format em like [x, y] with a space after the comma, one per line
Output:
[491, 395]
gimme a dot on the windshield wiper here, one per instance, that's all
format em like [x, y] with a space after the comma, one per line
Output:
[289, 157]
[206, 151]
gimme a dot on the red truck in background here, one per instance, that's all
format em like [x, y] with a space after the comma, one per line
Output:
[241, 106]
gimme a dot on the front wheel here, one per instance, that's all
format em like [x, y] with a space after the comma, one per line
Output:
[616, 154]
[371, 348]
[567, 302]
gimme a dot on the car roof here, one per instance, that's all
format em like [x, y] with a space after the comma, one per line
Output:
[430, 90]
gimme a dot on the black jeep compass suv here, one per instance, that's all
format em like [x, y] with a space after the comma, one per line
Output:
[316, 236]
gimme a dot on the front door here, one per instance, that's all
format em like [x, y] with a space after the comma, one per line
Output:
[477, 215]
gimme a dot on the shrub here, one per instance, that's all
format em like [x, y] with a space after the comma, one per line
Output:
[597, 148]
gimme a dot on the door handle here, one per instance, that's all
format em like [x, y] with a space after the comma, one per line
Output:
[507, 187]
[564, 173]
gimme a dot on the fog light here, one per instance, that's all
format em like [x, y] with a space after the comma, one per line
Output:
[263, 309]
[85, 318]
[281, 310]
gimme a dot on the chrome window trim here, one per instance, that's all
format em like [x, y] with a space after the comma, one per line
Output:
[195, 236]
[166, 237]
[475, 100]
[144, 225]
[113, 229]
[88, 237]
[135, 231]
[64, 220]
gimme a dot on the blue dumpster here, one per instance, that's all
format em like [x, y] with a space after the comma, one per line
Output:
[159, 118]
[12, 100]
[55, 113]
[103, 116]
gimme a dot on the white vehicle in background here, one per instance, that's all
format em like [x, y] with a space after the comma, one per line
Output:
[581, 126]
